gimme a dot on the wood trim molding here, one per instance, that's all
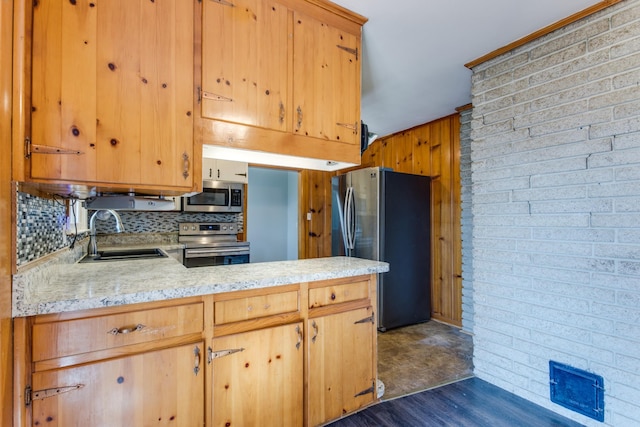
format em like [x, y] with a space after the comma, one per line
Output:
[544, 31]
[7, 212]
[464, 108]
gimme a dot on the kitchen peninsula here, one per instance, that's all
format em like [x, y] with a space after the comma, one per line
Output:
[297, 336]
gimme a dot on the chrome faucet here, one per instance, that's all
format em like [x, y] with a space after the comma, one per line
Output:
[101, 214]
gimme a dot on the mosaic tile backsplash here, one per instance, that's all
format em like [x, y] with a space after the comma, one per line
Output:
[41, 225]
[160, 222]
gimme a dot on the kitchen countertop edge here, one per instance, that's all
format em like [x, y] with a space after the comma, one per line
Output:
[63, 288]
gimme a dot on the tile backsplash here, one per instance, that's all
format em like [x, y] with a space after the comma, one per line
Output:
[160, 222]
[41, 225]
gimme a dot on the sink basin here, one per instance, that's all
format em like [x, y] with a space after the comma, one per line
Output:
[125, 254]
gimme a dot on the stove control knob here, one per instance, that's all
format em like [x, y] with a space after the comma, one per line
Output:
[224, 227]
[193, 227]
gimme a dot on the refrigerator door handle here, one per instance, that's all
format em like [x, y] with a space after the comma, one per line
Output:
[347, 226]
[343, 230]
[351, 222]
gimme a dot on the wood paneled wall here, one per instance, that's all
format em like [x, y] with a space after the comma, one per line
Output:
[6, 214]
[314, 204]
[432, 149]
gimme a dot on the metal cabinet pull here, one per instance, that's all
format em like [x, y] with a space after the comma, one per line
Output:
[299, 332]
[127, 329]
[196, 361]
[314, 325]
[282, 112]
[186, 164]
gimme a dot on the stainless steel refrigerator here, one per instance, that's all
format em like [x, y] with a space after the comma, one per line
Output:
[383, 215]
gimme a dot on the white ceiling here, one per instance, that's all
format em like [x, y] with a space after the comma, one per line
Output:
[414, 51]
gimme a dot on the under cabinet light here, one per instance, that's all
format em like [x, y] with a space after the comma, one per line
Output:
[271, 159]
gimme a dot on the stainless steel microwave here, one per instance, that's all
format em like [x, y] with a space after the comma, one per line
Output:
[216, 196]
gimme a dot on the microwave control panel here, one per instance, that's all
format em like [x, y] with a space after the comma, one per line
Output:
[236, 197]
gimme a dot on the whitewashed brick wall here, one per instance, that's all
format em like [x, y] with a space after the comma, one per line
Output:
[555, 170]
[466, 220]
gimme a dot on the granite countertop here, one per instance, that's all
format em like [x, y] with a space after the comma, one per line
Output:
[62, 287]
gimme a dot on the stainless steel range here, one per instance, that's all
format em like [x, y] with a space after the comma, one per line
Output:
[212, 243]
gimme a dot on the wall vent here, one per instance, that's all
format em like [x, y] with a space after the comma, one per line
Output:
[576, 389]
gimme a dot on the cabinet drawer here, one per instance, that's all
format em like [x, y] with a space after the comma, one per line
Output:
[253, 307]
[71, 337]
[319, 297]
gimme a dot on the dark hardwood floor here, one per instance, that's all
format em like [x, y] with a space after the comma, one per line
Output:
[471, 402]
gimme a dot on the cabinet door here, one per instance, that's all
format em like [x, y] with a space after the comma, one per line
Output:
[209, 168]
[244, 62]
[155, 388]
[225, 170]
[233, 171]
[341, 375]
[326, 81]
[257, 380]
[112, 92]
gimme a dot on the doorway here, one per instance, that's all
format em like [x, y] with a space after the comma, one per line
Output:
[272, 214]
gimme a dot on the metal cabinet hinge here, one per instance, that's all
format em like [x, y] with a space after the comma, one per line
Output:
[369, 319]
[222, 353]
[31, 148]
[349, 49]
[224, 3]
[367, 390]
[353, 127]
[30, 396]
[215, 97]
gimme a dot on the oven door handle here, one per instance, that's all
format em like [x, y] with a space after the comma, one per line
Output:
[191, 253]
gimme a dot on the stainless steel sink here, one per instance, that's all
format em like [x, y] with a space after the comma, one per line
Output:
[125, 254]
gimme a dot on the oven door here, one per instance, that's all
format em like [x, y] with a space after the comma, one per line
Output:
[207, 257]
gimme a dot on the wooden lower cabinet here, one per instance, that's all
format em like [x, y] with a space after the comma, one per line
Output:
[294, 355]
[341, 372]
[258, 377]
[162, 387]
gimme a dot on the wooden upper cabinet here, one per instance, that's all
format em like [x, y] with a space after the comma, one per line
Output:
[281, 77]
[112, 92]
[326, 81]
[244, 62]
